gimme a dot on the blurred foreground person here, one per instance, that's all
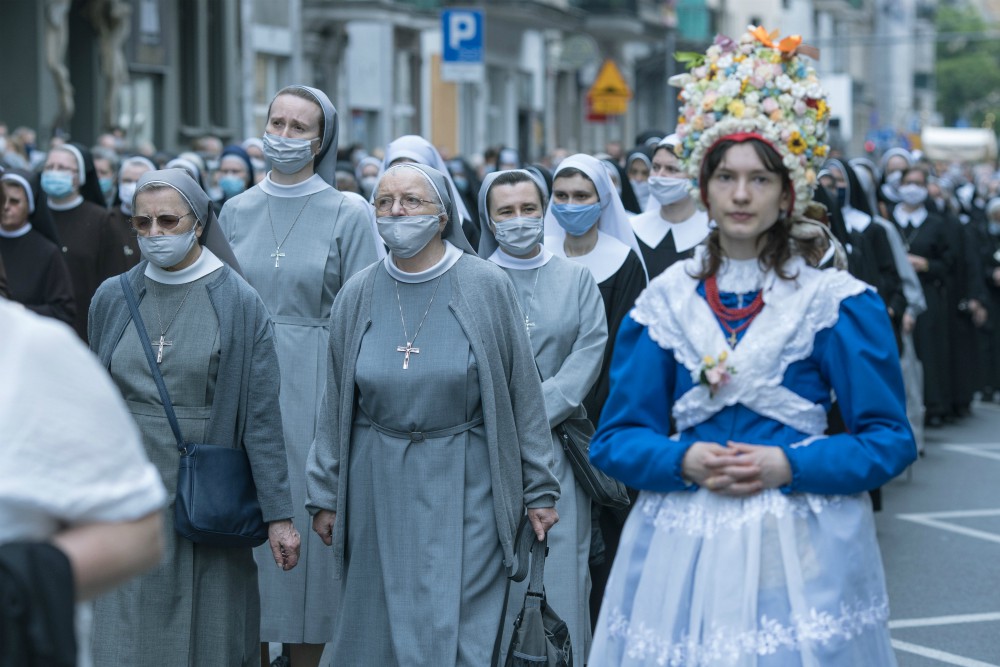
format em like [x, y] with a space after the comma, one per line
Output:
[72, 472]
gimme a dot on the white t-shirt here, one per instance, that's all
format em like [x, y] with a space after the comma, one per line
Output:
[70, 453]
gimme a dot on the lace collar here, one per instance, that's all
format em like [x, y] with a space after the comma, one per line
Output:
[740, 276]
[681, 322]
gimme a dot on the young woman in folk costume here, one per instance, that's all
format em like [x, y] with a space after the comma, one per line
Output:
[752, 542]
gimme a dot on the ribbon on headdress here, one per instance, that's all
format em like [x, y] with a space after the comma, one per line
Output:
[789, 46]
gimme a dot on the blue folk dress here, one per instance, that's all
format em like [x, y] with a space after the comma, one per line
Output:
[789, 577]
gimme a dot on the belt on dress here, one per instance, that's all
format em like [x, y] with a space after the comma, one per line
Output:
[420, 436]
[301, 321]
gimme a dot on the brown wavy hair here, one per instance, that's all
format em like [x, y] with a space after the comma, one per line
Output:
[775, 246]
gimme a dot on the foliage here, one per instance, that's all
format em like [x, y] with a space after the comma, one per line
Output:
[967, 70]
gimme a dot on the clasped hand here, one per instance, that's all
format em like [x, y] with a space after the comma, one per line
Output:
[737, 469]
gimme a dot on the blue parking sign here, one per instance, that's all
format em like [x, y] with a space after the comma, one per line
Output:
[463, 36]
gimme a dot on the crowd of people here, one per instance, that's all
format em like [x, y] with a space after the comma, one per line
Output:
[759, 326]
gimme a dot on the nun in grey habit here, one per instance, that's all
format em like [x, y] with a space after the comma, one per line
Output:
[563, 313]
[432, 441]
[298, 244]
[200, 606]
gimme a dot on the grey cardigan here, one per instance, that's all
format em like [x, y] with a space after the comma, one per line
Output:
[245, 410]
[517, 430]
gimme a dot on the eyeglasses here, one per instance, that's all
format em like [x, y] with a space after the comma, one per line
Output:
[59, 167]
[408, 202]
[143, 223]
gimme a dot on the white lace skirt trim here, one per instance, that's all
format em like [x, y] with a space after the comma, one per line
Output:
[703, 580]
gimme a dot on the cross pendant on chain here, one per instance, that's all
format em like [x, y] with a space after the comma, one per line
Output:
[277, 255]
[406, 349]
[732, 339]
[160, 345]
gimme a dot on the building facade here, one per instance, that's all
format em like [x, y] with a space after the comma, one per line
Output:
[169, 71]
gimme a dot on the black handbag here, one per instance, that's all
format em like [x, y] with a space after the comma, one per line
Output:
[216, 502]
[540, 638]
[575, 434]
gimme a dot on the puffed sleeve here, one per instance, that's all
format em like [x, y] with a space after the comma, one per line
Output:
[858, 358]
[632, 443]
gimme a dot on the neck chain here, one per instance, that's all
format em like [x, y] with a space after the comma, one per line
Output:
[726, 315]
[277, 254]
[162, 343]
[910, 233]
[408, 348]
[526, 314]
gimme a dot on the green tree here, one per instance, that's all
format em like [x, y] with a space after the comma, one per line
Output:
[967, 70]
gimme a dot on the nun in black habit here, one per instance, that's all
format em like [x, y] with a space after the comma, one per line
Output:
[37, 274]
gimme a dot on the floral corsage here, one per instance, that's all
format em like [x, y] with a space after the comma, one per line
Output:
[714, 373]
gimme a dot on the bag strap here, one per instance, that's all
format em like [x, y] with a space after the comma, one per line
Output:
[539, 551]
[524, 540]
[140, 327]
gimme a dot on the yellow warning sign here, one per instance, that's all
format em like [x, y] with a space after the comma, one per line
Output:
[610, 94]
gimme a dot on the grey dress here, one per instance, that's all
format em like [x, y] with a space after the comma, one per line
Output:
[200, 605]
[423, 569]
[568, 330]
[331, 240]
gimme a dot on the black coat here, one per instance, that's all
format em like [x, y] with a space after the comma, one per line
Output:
[37, 606]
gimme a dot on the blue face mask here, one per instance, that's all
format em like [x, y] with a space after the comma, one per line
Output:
[842, 197]
[57, 184]
[577, 219]
[107, 186]
[232, 185]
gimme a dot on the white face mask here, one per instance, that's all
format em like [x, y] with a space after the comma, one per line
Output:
[912, 194]
[894, 179]
[289, 156]
[406, 235]
[641, 190]
[126, 191]
[167, 250]
[519, 236]
[667, 190]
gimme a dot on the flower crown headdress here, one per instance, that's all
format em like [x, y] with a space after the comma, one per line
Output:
[761, 88]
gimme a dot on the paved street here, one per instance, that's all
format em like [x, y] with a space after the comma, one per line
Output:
[940, 537]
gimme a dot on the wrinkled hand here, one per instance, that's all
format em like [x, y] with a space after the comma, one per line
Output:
[919, 264]
[909, 322]
[542, 519]
[323, 525]
[285, 541]
[736, 470]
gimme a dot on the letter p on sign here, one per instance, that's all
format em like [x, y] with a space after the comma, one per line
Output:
[461, 28]
[463, 36]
